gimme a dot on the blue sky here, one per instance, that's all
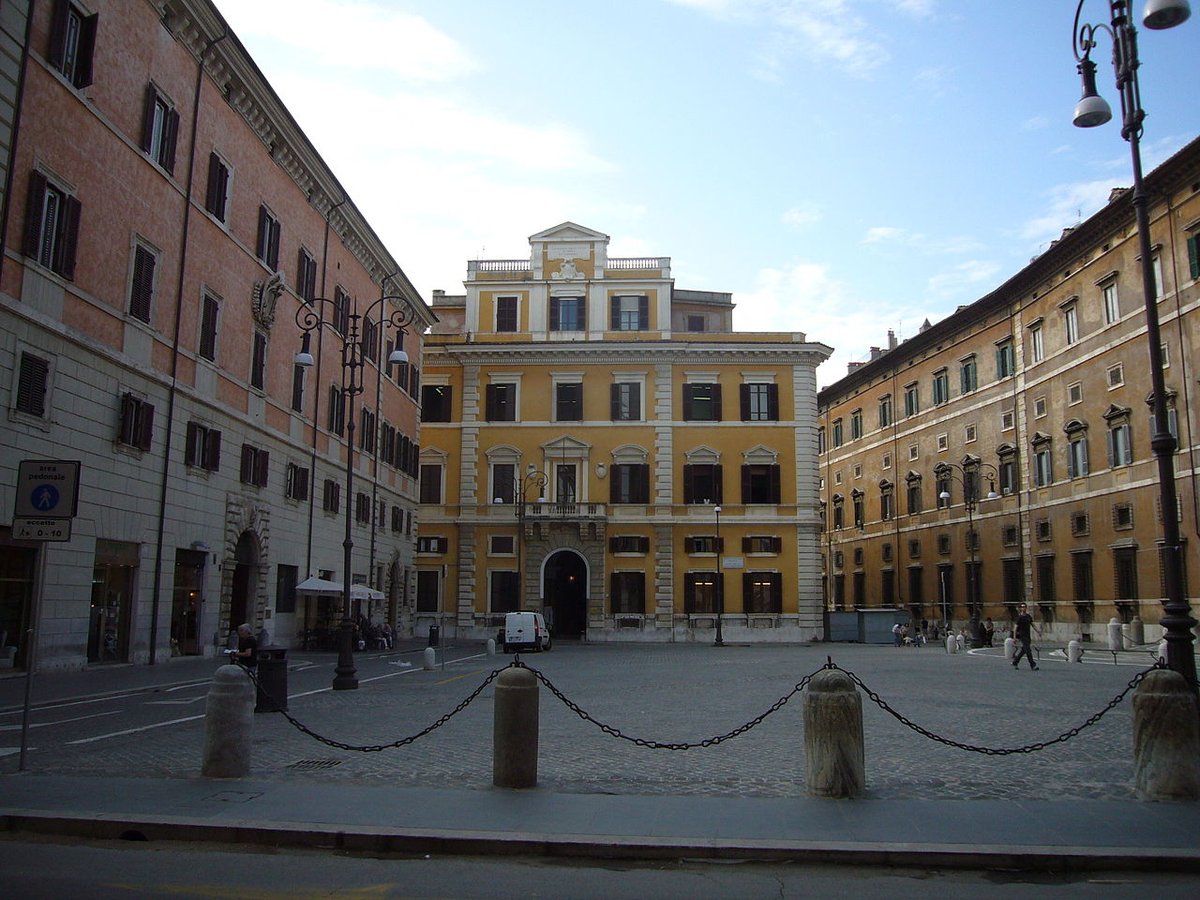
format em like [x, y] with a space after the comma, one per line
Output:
[843, 167]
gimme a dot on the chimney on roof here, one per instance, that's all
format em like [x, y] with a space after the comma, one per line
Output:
[853, 366]
[925, 326]
[891, 339]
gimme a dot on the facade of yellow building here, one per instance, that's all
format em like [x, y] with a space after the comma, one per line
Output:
[602, 446]
[1039, 394]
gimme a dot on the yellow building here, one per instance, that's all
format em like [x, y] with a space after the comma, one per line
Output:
[603, 447]
[1038, 394]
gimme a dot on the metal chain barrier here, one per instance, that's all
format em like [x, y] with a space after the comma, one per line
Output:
[998, 751]
[650, 744]
[375, 748]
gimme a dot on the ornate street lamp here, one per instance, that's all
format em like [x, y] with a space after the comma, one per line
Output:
[354, 356]
[968, 474]
[720, 640]
[1092, 110]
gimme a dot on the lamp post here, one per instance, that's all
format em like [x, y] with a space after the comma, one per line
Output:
[968, 473]
[720, 640]
[1093, 110]
[532, 478]
[354, 355]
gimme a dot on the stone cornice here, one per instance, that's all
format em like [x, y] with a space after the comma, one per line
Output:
[646, 353]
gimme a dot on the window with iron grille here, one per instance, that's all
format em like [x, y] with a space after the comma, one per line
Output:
[296, 482]
[628, 593]
[1079, 524]
[1009, 535]
[255, 464]
[943, 544]
[203, 447]
[1122, 516]
[1042, 529]
[914, 549]
[331, 498]
[136, 427]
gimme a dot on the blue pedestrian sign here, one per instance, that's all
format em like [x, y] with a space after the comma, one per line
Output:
[47, 489]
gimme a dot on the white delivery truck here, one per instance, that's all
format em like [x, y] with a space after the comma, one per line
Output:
[524, 631]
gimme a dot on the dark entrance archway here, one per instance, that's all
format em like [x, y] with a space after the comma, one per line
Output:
[245, 576]
[564, 582]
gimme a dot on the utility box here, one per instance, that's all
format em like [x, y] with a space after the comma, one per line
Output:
[272, 680]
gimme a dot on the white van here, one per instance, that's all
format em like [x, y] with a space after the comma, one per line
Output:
[524, 631]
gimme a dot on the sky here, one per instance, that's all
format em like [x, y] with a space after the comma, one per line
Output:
[842, 167]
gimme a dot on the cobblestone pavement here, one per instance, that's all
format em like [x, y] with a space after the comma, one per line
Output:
[686, 693]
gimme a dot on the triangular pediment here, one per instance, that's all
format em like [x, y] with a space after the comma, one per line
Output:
[568, 231]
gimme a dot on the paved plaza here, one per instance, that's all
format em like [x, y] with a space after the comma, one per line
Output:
[681, 693]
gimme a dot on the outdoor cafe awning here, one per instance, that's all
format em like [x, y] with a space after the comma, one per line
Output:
[320, 586]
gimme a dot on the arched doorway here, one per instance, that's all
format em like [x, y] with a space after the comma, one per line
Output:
[564, 586]
[245, 576]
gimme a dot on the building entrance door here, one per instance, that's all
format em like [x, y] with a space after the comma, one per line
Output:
[245, 574]
[565, 594]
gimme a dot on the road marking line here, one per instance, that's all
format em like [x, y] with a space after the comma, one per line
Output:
[61, 721]
[104, 737]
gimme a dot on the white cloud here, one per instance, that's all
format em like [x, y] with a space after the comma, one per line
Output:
[883, 233]
[354, 34]
[801, 216]
[1068, 204]
[963, 280]
[914, 240]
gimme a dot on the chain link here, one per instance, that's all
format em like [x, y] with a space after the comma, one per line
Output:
[998, 751]
[375, 748]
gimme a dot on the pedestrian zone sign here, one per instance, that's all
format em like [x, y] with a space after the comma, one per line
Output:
[47, 496]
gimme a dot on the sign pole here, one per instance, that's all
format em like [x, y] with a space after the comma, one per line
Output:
[35, 609]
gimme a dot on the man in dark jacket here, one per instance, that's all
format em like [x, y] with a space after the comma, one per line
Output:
[1022, 629]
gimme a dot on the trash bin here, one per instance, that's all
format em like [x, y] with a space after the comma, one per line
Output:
[435, 635]
[272, 679]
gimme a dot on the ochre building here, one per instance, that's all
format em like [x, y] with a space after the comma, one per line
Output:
[602, 446]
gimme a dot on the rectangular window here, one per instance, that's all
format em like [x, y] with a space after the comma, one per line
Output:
[762, 593]
[630, 313]
[629, 543]
[267, 245]
[428, 590]
[566, 314]
[696, 323]
[255, 463]
[216, 194]
[160, 129]
[210, 310]
[766, 543]
[1037, 346]
[341, 310]
[33, 382]
[306, 276]
[1071, 324]
[760, 402]
[1043, 466]
[431, 483]
[968, 375]
[630, 483]
[73, 43]
[1125, 573]
[137, 422]
[367, 431]
[337, 410]
[914, 496]
[856, 424]
[628, 592]
[702, 543]
[885, 411]
[362, 509]
[504, 483]
[1077, 455]
[1008, 475]
[626, 401]
[286, 578]
[1112, 306]
[760, 483]
[435, 402]
[701, 591]
[1074, 393]
[568, 402]
[258, 362]
[203, 448]
[501, 403]
[702, 402]
[298, 387]
[331, 497]
[370, 339]
[141, 286]
[838, 433]
[502, 545]
[52, 226]
[296, 482]
[1081, 577]
[1193, 250]
[1006, 364]
[702, 483]
[506, 314]
[941, 387]
[1116, 376]
[504, 592]
[912, 399]
[1120, 445]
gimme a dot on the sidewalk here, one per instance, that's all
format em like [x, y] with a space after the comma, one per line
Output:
[1028, 834]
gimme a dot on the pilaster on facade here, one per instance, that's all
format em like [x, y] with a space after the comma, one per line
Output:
[468, 552]
[664, 577]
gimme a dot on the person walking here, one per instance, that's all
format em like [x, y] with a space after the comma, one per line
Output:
[1021, 629]
[247, 651]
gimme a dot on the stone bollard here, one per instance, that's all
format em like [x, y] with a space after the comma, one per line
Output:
[1162, 649]
[1010, 648]
[228, 717]
[834, 759]
[1166, 738]
[959, 642]
[1115, 641]
[951, 644]
[430, 657]
[1137, 631]
[491, 646]
[1074, 651]
[515, 730]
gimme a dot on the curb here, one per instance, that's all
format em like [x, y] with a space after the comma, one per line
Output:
[381, 841]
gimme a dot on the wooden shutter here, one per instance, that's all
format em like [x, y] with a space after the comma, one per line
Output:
[773, 402]
[211, 197]
[58, 34]
[170, 138]
[689, 485]
[190, 450]
[687, 403]
[149, 102]
[33, 214]
[1193, 248]
[68, 238]
[614, 313]
[31, 385]
[614, 396]
[263, 239]
[262, 464]
[144, 434]
[141, 290]
[744, 401]
[643, 313]
[716, 402]
[85, 50]
[554, 301]
[718, 481]
[746, 482]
